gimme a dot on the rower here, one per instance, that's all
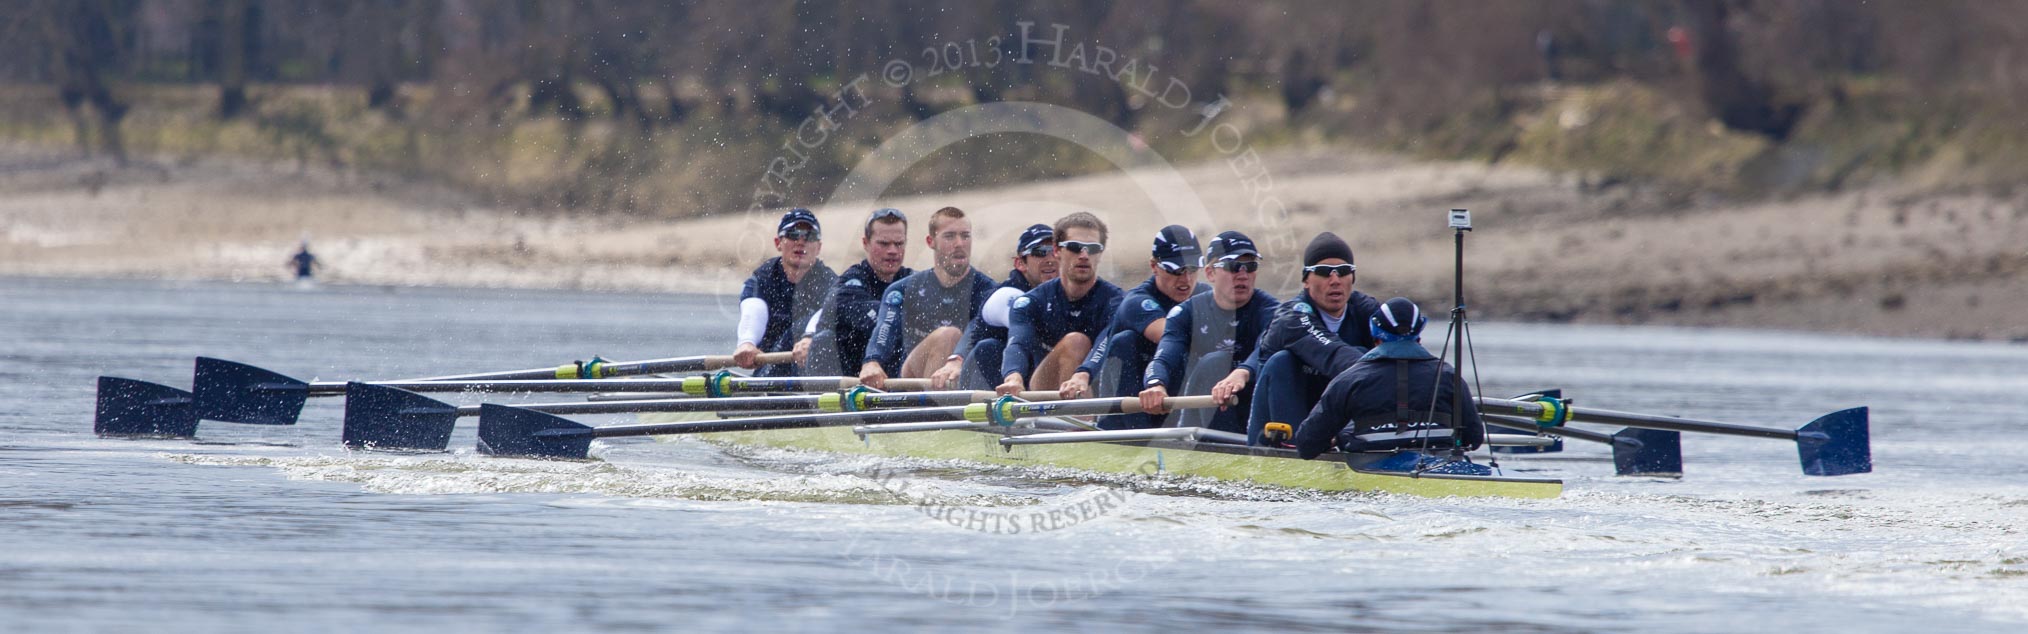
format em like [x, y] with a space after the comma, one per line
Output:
[783, 293]
[1306, 344]
[1051, 329]
[1123, 351]
[1207, 336]
[1397, 396]
[834, 342]
[922, 316]
[978, 355]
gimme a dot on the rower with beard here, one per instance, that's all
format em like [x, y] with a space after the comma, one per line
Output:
[782, 294]
[1312, 338]
[1051, 329]
[1121, 354]
[834, 343]
[1397, 396]
[923, 315]
[1207, 337]
[979, 353]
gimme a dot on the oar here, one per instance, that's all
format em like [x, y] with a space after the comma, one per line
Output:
[238, 393]
[241, 393]
[392, 416]
[1182, 434]
[511, 431]
[1636, 452]
[1837, 443]
[1556, 444]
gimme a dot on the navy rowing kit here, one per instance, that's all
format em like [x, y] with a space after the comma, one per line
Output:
[1202, 343]
[985, 338]
[1303, 348]
[1139, 307]
[919, 304]
[982, 327]
[1396, 396]
[1041, 318]
[788, 305]
[838, 343]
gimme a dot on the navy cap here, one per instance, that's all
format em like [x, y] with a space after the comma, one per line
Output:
[1176, 246]
[796, 216]
[1037, 235]
[1400, 317]
[1230, 245]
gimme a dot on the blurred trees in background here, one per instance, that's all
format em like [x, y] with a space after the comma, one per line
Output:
[1378, 67]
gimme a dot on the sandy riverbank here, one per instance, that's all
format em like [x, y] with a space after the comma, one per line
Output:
[1547, 247]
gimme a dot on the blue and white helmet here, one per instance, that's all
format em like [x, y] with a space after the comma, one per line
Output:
[1398, 317]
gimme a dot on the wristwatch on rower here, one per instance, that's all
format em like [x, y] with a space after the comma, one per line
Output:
[1152, 382]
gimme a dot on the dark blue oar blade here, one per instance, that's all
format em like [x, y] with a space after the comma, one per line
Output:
[127, 407]
[379, 417]
[1838, 443]
[1648, 452]
[240, 393]
[514, 432]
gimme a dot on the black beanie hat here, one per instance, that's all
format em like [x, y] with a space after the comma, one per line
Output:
[1325, 246]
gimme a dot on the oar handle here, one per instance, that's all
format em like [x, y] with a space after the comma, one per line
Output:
[722, 361]
[904, 385]
[1132, 405]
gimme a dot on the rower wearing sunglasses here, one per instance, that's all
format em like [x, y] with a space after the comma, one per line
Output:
[1397, 396]
[783, 293]
[1209, 335]
[976, 363]
[1121, 354]
[1312, 338]
[1050, 330]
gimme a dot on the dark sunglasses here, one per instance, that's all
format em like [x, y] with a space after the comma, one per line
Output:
[805, 234]
[1340, 270]
[1173, 268]
[1238, 266]
[1074, 246]
[885, 213]
[1040, 250]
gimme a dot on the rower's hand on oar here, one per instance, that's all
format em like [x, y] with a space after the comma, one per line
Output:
[1077, 386]
[801, 352]
[873, 376]
[1013, 386]
[746, 356]
[1154, 400]
[1226, 391]
[946, 378]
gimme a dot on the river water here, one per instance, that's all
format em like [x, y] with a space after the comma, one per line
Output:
[261, 528]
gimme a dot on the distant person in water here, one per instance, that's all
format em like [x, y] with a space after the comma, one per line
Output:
[305, 263]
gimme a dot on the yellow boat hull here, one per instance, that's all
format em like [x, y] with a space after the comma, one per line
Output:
[1235, 465]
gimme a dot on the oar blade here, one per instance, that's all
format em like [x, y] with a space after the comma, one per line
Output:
[1648, 452]
[239, 393]
[390, 419]
[128, 407]
[1838, 443]
[514, 432]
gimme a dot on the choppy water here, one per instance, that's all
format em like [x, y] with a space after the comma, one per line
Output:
[265, 527]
